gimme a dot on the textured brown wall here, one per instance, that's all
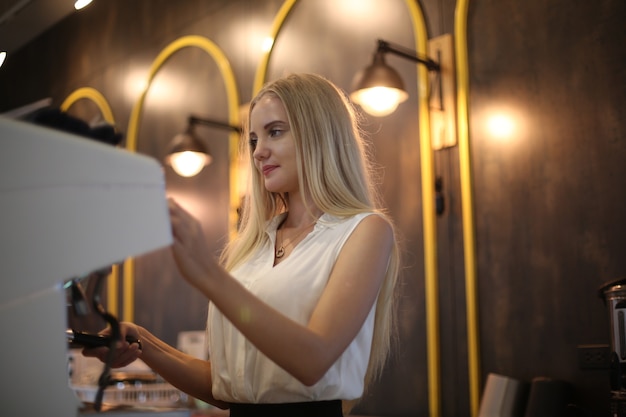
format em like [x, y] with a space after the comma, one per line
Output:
[549, 203]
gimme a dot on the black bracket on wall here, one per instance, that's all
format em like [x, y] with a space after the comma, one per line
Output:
[440, 201]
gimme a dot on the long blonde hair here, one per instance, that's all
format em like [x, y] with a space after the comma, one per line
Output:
[335, 169]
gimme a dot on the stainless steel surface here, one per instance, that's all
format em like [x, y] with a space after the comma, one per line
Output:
[69, 206]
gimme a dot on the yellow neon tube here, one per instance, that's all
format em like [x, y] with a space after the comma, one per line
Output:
[467, 202]
[95, 96]
[428, 192]
[429, 217]
[279, 20]
[233, 118]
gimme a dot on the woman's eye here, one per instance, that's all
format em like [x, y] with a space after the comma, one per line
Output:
[274, 132]
[253, 142]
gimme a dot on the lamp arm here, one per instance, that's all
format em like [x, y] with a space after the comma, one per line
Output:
[213, 123]
[384, 47]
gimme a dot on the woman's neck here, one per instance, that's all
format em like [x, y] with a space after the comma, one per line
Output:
[300, 214]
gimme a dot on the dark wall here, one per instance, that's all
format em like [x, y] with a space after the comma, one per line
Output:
[550, 205]
[548, 200]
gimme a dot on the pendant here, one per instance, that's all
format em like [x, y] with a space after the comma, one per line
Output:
[280, 252]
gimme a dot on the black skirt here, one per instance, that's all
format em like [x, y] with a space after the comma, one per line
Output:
[306, 409]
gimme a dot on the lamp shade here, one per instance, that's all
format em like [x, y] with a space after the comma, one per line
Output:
[188, 155]
[378, 88]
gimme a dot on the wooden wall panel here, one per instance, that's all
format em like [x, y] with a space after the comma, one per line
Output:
[549, 205]
[114, 43]
[337, 46]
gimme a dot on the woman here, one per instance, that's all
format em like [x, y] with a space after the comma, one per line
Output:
[300, 313]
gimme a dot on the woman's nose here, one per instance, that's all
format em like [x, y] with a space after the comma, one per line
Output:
[260, 151]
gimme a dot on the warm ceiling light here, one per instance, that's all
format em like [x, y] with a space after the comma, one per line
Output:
[379, 88]
[79, 4]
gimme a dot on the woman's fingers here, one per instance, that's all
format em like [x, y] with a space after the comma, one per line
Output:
[124, 354]
[183, 223]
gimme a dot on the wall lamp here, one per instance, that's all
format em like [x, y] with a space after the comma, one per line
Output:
[188, 154]
[379, 89]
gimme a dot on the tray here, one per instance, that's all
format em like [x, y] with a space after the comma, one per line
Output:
[153, 395]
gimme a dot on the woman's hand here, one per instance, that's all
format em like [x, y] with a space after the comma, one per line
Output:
[190, 249]
[124, 353]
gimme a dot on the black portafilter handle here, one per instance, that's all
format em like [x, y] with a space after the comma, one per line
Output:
[76, 339]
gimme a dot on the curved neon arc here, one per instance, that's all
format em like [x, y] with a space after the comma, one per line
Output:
[279, 20]
[93, 95]
[428, 192]
[467, 205]
[97, 97]
[429, 218]
[233, 118]
[220, 59]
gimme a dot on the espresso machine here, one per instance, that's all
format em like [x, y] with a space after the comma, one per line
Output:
[70, 206]
[614, 295]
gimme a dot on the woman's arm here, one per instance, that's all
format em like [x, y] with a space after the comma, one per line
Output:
[306, 352]
[187, 373]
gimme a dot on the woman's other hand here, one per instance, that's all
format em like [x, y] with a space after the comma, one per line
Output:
[124, 352]
[190, 249]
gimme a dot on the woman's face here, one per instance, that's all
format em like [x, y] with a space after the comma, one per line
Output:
[272, 145]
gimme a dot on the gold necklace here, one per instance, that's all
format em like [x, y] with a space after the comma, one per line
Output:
[280, 252]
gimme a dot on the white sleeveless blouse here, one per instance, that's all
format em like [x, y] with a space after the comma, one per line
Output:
[242, 374]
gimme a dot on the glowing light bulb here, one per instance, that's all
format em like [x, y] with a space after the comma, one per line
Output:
[379, 101]
[189, 163]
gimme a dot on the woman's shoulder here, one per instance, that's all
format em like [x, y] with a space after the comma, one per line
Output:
[365, 219]
[354, 218]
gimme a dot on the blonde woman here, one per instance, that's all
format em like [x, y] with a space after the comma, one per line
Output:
[300, 303]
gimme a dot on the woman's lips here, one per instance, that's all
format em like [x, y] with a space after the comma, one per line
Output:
[269, 168]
